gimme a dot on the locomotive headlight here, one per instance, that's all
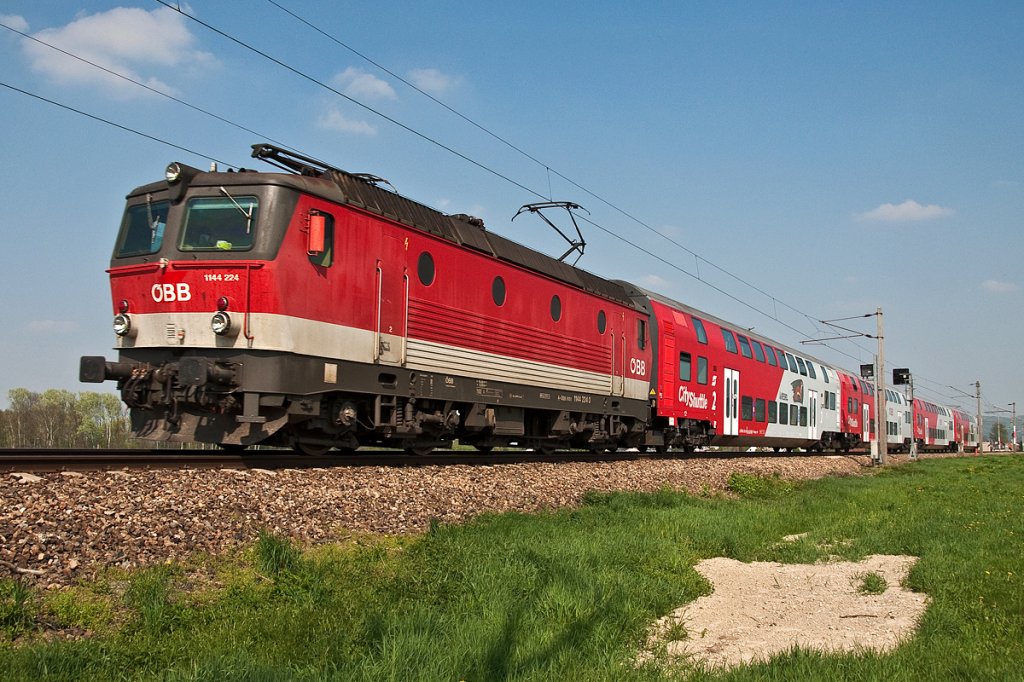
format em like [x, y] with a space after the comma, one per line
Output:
[173, 173]
[122, 324]
[220, 323]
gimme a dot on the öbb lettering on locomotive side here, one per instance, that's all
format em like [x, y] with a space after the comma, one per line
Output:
[314, 308]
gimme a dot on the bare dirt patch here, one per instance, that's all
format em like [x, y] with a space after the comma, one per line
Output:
[760, 609]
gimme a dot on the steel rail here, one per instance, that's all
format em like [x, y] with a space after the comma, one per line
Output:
[49, 460]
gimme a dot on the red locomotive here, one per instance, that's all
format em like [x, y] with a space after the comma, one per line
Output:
[315, 309]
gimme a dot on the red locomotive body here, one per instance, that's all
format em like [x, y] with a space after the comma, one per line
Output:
[319, 310]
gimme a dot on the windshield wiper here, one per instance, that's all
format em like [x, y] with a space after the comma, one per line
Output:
[248, 216]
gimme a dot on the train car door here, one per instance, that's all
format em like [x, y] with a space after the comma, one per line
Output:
[392, 312]
[731, 402]
[812, 418]
[669, 368]
[866, 426]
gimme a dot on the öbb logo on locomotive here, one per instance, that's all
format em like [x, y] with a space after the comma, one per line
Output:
[317, 309]
[171, 292]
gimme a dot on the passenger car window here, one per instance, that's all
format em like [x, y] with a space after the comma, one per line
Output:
[744, 346]
[792, 363]
[684, 366]
[758, 350]
[769, 353]
[219, 224]
[142, 229]
[747, 408]
[801, 367]
[730, 341]
[702, 369]
[698, 326]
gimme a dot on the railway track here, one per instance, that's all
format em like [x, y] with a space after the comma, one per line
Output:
[40, 460]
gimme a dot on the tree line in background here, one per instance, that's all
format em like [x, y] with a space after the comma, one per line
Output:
[58, 418]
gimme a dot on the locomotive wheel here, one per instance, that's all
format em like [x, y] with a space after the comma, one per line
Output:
[484, 448]
[233, 448]
[421, 451]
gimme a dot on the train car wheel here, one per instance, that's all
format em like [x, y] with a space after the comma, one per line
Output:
[421, 451]
[484, 448]
[312, 449]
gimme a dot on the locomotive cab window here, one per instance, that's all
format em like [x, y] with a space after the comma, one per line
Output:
[142, 231]
[220, 224]
[641, 334]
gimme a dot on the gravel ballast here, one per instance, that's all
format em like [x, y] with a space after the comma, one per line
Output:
[57, 528]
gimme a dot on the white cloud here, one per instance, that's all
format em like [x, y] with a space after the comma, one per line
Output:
[433, 81]
[908, 211]
[655, 283]
[14, 21]
[358, 83]
[337, 121]
[125, 40]
[997, 287]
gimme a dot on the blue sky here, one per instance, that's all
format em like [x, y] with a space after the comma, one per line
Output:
[836, 157]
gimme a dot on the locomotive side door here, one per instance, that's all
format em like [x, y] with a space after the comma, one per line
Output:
[392, 310]
[730, 402]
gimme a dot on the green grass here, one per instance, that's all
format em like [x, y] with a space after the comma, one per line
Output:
[566, 595]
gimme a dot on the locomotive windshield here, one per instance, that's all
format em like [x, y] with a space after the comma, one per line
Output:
[142, 231]
[219, 223]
